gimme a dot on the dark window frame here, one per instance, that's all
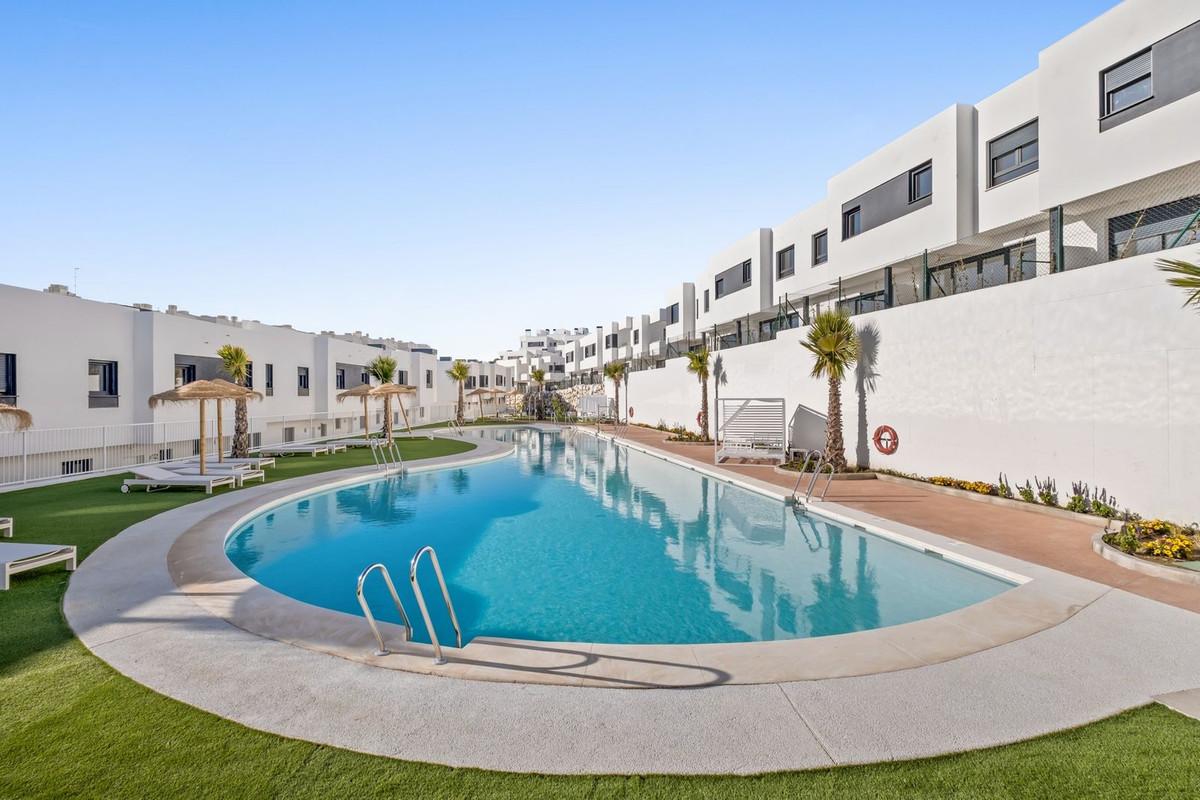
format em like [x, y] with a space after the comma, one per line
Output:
[303, 386]
[269, 386]
[340, 379]
[790, 253]
[108, 395]
[719, 288]
[855, 213]
[8, 389]
[1106, 109]
[819, 258]
[747, 272]
[1024, 166]
[913, 176]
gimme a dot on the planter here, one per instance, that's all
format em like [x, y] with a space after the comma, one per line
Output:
[1036, 508]
[1156, 569]
[837, 476]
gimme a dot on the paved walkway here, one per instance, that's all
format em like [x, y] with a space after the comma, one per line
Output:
[1112, 655]
[1060, 544]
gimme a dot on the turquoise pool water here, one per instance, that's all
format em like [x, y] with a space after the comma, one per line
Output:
[587, 541]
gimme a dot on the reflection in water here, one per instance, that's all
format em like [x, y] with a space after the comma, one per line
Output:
[581, 540]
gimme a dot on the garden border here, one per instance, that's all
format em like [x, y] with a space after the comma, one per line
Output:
[1132, 562]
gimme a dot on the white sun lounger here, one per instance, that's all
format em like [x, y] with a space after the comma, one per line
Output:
[22, 557]
[6, 526]
[303, 449]
[156, 478]
[254, 462]
[239, 475]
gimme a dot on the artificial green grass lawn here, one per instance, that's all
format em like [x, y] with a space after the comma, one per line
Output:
[72, 727]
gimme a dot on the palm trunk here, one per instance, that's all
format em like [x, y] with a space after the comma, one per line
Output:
[387, 418]
[203, 441]
[220, 433]
[458, 411]
[617, 387]
[241, 430]
[835, 448]
[704, 408]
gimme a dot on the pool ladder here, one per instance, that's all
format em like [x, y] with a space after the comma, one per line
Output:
[821, 464]
[387, 456]
[382, 650]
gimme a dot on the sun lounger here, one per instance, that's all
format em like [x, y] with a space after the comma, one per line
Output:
[239, 475]
[156, 478]
[6, 526]
[254, 462]
[16, 558]
[300, 450]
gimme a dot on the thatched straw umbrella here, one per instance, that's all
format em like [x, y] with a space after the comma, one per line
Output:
[366, 391]
[17, 418]
[363, 390]
[201, 391]
[480, 393]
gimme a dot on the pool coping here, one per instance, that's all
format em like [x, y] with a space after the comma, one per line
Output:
[1041, 599]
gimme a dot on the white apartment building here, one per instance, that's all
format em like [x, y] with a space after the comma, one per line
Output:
[86, 369]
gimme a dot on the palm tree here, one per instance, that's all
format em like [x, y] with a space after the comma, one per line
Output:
[236, 365]
[834, 344]
[1186, 277]
[698, 366]
[538, 376]
[383, 369]
[459, 372]
[615, 371]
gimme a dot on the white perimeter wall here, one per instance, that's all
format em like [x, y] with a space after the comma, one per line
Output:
[1089, 375]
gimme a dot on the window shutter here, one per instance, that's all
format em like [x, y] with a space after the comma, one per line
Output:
[1131, 70]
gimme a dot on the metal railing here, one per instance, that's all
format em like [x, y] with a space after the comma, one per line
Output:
[366, 607]
[438, 658]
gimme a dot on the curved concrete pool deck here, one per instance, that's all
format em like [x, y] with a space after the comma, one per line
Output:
[1100, 652]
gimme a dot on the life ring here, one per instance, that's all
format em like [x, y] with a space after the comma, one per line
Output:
[887, 441]
[631, 411]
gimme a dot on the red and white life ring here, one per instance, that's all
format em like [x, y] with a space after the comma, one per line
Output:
[887, 441]
[631, 412]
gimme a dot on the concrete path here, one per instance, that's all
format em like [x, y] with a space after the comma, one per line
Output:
[1113, 654]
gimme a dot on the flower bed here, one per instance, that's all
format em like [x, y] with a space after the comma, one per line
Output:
[1156, 540]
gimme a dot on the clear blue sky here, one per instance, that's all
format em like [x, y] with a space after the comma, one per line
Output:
[453, 172]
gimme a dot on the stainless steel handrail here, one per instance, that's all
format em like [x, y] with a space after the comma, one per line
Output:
[416, 586]
[804, 471]
[366, 607]
[816, 477]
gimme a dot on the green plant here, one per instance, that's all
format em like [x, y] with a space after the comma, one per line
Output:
[236, 364]
[1026, 492]
[1176, 544]
[698, 366]
[833, 342]
[383, 369]
[1047, 492]
[615, 371]
[1080, 500]
[1124, 540]
[1002, 487]
[1186, 276]
[459, 372]
[1103, 505]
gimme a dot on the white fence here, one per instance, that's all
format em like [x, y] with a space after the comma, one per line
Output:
[55, 454]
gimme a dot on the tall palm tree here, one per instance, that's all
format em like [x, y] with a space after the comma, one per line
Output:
[459, 372]
[615, 371]
[383, 369]
[1186, 277]
[698, 366]
[236, 364]
[538, 376]
[834, 344]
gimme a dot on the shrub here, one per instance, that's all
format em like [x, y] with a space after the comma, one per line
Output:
[1002, 487]
[1081, 499]
[1026, 492]
[1174, 545]
[1047, 492]
[1124, 540]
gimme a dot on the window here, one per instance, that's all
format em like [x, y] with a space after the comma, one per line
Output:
[536, 344]
[302, 381]
[499, 380]
[249, 374]
[76, 466]
[341, 379]
[746, 274]
[994, 268]
[920, 182]
[256, 440]
[102, 384]
[402, 377]
[1014, 154]
[610, 341]
[673, 314]
[184, 374]
[706, 301]
[428, 379]
[289, 435]
[557, 367]
[852, 222]
[364, 377]
[471, 382]
[483, 381]
[636, 335]
[1126, 84]
[820, 248]
[589, 351]
[570, 357]
[1152, 229]
[719, 288]
[8, 377]
[785, 262]
[269, 388]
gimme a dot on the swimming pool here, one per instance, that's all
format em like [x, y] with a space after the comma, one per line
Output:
[583, 540]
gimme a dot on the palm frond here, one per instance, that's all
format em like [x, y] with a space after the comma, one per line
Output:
[833, 343]
[1185, 275]
[698, 363]
[382, 368]
[235, 362]
[459, 371]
